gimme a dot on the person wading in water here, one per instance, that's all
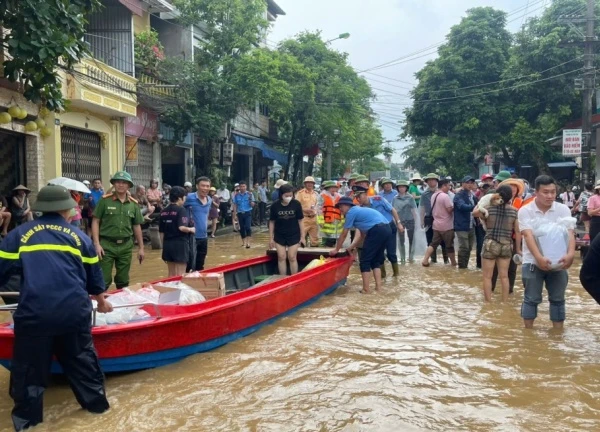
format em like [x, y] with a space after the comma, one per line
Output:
[59, 271]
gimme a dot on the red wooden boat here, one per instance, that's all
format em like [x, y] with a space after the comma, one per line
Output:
[175, 331]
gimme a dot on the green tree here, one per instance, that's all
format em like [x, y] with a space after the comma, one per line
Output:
[39, 37]
[539, 110]
[442, 155]
[511, 93]
[340, 101]
[476, 52]
[207, 95]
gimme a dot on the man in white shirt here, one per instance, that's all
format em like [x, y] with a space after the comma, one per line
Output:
[537, 269]
[224, 198]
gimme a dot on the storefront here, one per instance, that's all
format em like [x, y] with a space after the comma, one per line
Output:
[142, 153]
[12, 161]
[21, 153]
[253, 158]
[177, 157]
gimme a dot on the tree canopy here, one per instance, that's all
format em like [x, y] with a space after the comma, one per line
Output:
[491, 92]
[310, 89]
[39, 37]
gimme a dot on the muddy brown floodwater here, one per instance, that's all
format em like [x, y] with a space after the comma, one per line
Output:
[424, 355]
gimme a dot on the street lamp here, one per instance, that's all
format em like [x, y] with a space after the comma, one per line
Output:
[341, 36]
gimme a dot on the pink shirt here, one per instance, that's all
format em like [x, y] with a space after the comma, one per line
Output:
[154, 194]
[77, 214]
[443, 211]
[594, 202]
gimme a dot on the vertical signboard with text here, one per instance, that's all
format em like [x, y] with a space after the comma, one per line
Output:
[572, 142]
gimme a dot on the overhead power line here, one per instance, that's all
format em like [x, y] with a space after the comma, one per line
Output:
[454, 90]
[432, 49]
[456, 97]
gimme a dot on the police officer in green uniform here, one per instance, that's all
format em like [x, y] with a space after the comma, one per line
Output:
[117, 218]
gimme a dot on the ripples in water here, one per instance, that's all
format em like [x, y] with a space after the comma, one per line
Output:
[423, 355]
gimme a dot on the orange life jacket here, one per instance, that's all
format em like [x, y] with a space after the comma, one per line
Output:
[518, 203]
[330, 212]
[527, 201]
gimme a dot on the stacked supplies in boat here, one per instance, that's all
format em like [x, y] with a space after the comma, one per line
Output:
[165, 293]
[210, 285]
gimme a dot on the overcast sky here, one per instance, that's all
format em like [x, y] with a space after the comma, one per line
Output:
[385, 30]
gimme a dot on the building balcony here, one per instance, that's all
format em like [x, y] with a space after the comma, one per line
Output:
[149, 86]
[97, 87]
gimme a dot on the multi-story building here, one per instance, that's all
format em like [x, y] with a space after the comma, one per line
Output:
[88, 140]
[244, 152]
[112, 122]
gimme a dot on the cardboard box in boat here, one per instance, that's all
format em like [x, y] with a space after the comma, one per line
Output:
[168, 295]
[210, 285]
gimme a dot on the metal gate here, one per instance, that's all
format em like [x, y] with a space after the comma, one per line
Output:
[12, 162]
[143, 172]
[80, 154]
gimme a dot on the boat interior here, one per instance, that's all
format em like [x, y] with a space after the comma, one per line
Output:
[245, 277]
[265, 272]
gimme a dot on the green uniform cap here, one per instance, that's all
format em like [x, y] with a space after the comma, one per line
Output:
[361, 178]
[329, 183]
[431, 176]
[502, 175]
[402, 183]
[353, 176]
[122, 175]
[386, 180]
[53, 198]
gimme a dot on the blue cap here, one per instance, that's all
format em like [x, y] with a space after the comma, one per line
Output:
[468, 178]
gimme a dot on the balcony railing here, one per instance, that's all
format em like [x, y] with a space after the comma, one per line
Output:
[154, 87]
[97, 86]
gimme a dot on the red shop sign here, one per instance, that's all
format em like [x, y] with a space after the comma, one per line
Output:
[143, 126]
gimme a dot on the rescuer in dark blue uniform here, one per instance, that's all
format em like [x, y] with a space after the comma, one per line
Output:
[59, 270]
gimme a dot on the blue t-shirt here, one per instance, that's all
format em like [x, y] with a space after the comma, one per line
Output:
[275, 195]
[363, 218]
[96, 196]
[199, 213]
[389, 196]
[382, 206]
[242, 201]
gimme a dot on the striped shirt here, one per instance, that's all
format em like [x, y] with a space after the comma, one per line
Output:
[500, 223]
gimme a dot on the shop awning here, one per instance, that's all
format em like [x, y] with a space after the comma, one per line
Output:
[567, 164]
[267, 151]
[135, 6]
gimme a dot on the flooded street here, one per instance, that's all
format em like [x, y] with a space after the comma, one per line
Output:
[424, 355]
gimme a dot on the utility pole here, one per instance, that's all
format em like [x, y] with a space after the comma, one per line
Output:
[330, 147]
[588, 92]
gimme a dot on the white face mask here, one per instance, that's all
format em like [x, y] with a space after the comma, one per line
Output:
[287, 199]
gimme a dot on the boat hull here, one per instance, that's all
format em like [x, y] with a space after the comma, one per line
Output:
[185, 330]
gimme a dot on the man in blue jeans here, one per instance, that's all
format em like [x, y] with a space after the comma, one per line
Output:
[243, 202]
[537, 269]
[199, 204]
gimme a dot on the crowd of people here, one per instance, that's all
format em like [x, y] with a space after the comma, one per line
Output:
[60, 266]
[491, 219]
